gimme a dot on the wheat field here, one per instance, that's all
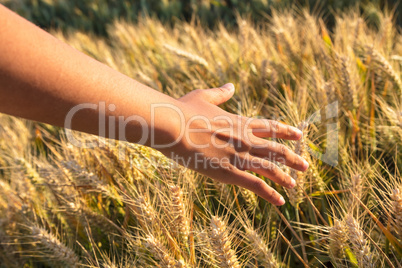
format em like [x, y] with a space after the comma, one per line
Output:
[125, 205]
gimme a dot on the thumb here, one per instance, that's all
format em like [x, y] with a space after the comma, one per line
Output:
[217, 95]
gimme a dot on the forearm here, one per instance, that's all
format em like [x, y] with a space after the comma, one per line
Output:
[42, 79]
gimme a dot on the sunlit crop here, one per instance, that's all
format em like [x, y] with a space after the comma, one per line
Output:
[124, 205]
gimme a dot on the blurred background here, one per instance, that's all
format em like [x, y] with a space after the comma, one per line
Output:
[95, 15]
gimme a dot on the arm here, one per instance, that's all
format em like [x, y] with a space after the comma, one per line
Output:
[42, 79]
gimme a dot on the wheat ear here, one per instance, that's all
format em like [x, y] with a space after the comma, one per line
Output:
[386, 67]
[397, 210]
[187, 55]
[144, 211]
[181, 222]
[350, 98]
[337, 239]
[260, 246]
[59, 252]
[359, 244]
[296, 194]
[221, 244]
[250, 198]
[160, 253]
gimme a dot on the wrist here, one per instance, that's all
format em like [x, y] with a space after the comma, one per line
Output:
[167, 125]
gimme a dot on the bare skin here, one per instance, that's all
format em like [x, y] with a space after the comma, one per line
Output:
[42, 79]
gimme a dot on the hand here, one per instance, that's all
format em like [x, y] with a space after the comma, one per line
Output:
[223, 146]
[207, 139]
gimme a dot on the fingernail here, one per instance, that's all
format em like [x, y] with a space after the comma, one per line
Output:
[281, 201]
[229, 86]
[292, 183]
[305, 164]
[297, 131]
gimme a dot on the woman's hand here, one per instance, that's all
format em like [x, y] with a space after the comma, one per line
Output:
[199, 134]
[223, 146]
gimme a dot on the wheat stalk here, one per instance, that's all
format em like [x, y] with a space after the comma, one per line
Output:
[261, 248]
[347, 83]
[181, 223]
[357, 185]
[250, 198]
[318, 85]
[330, 92]
[160, 253]
[296, 194]
[358, 242]
[187, 55]
[396, 205]
[387, 32]
[222, 189]
[337, 239]
[384, 64]
[221, 244]
[144, 211]
[59, 252]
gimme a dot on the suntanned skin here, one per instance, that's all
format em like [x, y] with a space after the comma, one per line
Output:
[42, 79]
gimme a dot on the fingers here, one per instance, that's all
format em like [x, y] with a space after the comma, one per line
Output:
[258, 186]
[265, 128]
[267, 169]
[274, 151]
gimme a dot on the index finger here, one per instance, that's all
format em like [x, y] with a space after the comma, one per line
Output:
[256, 185]
[265, 128]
